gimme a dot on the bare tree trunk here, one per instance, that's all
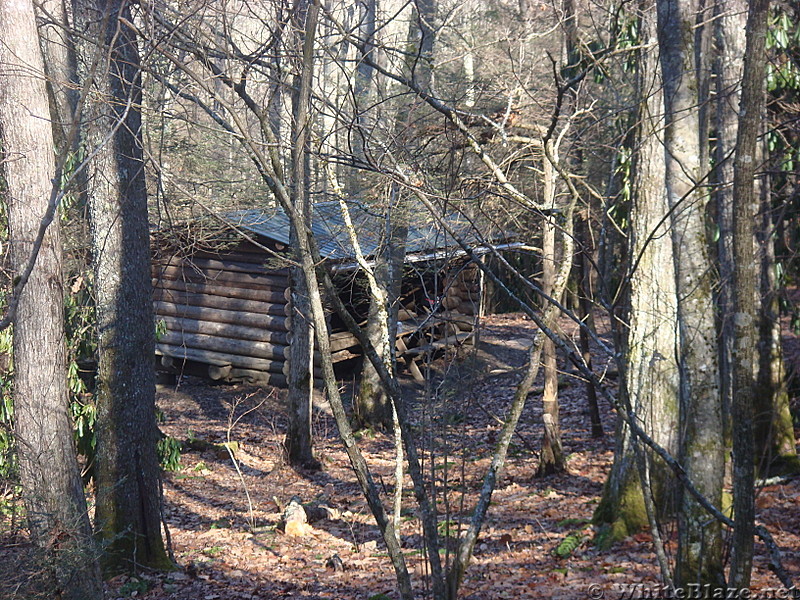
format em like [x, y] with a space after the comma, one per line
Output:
[552, 456]
[551, 459]
[52, 489]
[373, 406]
[702, 447]
[60, 63]
[730, 45]
[363, 121]
[372, 403]
[650, 381]
[585, 303]
[745, 327]
[583, 266]
[128, 475]
[299, 441]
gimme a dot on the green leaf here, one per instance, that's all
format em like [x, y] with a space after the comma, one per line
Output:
[569, 544]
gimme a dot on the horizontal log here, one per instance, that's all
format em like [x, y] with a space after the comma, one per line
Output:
[235, 262]
[277, 323]
[345, 354]
[464, 325]
[450, 302]
[342, 340]
[223, 263]
[220, 358]
[250, 254]
[317, 370]
[439, 344]
[404, 314]
[229, 346]
[219, 372]
[258, 377]
[210, 301]
[277, 281]
[228, 330]
[475, 301]
[263, 294]
[460, 287]
[262, 284]
[467, 308]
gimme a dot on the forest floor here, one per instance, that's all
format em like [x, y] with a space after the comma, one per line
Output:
[224, 517]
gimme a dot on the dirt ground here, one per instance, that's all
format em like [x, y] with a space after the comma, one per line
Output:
[223, 515]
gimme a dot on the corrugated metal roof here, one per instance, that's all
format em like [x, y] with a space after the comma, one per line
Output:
[424, 234]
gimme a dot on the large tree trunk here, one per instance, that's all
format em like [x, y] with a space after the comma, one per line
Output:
[299, 440]
[128, 513]
[702, 448]
[52, 489]
[650, 382]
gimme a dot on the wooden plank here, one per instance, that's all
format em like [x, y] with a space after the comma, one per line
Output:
[220, 358]
[228, 330]
[242, 317]
[265, 294]
[411, 361]
[225, 345]
[405, 314]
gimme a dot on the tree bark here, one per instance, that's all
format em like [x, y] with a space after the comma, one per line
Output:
[729, 50]
[702, 448]
[650, 381]
[774, 427]
[583, 266]
[52, 489]
[299, 439]
[745, 330]
[128, 475]
[552, 455]
[60, 63]
[373, 406]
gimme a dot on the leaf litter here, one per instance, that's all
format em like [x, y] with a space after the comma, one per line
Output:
[228, 547]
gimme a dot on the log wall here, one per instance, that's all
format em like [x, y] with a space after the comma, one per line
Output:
[229, 316]
[228, 312]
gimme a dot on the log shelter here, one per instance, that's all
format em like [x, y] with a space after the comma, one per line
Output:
[223, 306]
